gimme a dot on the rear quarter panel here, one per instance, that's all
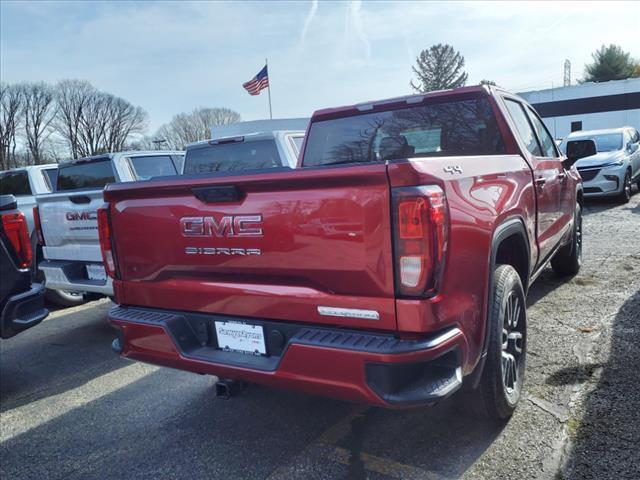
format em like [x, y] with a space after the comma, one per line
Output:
[489, 191]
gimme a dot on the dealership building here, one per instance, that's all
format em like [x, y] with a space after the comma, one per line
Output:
[588, 106]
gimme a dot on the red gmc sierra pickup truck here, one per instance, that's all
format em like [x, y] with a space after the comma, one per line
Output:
[390, 268]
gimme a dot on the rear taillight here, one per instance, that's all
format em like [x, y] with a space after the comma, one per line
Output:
[38, 226]
[15, 228]
[420, 239]
[106, 245]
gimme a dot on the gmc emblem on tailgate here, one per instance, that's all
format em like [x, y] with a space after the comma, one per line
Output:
[226, 226]
[76, 216]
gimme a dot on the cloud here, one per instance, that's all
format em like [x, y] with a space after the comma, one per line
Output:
[355, 18]
[307, 22]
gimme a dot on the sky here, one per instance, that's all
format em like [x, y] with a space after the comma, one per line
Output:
[171, 57]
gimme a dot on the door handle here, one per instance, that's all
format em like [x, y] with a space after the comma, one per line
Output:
[561, 175]
[540, 181]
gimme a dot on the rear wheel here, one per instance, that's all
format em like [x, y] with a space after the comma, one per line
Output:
[568, 260]
[502, 379]
[62, 298]
[625, 195]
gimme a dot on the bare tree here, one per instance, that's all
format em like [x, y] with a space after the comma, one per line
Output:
[72, 97]
[124, 121]
[39, 114]
[186, 128]
[94, 122]
[11, 116]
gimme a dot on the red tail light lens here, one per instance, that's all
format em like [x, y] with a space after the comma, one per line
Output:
[38, 226]
[420, 239]
[104, 232]
[15, 228]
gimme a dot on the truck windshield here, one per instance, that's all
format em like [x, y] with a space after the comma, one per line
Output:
[85, 174]
[232, 157]
[15, 183]
[466, 127]
[151, 166]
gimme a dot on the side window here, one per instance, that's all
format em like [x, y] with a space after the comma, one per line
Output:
[525, 131]
[548, 145]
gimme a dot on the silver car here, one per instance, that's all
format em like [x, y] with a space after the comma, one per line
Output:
[616, 165]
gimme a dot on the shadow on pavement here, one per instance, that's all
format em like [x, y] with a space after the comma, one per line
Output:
[546, 283]
[606, 438]
[50, 359]
[169, 425]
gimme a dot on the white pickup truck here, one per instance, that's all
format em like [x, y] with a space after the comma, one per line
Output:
[248, 145]
[66, 219]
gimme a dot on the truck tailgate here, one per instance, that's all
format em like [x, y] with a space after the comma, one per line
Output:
[70, 226]
[306, 245]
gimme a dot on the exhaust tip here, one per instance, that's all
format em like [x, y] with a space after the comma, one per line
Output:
[116, 346]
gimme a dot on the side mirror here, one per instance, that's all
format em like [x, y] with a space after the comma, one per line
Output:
[577, 149]
[633, 147]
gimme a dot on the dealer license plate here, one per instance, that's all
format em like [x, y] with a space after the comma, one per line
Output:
[241, 337]
[96, 272]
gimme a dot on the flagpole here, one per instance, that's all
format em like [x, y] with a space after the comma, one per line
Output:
[269, 89]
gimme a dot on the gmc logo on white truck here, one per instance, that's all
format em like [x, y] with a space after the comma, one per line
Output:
[226, 226]
[81, 216]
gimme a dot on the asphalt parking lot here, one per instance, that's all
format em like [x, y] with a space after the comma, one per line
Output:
[72, 409]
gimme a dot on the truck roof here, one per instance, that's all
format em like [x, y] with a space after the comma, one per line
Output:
[254, 126]
[248, 137]
[408, 99]
[113, 155]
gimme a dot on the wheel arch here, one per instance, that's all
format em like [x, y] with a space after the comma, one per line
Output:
[509, 245]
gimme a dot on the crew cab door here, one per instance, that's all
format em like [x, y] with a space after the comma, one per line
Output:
[561, 182]
[548, 175]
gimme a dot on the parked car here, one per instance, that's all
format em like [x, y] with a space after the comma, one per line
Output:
[615, 166]
[66, 219]
[390, 269]
[21, 302]
[25, 183]
[247, 146]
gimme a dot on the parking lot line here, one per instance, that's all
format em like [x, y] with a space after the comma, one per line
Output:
[31, 415]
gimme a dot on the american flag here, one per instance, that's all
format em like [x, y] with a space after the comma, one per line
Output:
[257, 83]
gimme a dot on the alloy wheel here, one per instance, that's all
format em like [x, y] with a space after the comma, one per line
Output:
[513, 345]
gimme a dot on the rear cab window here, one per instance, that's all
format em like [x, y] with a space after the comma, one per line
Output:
[453, 128]
[50, 176]
[149, 166]
[297, 140]
[84, 174]
[15, 183]
[232, 157]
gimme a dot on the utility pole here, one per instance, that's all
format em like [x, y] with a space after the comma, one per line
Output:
[567, 73]
[158, 141]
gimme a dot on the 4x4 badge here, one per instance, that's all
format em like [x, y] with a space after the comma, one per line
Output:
[453, 169]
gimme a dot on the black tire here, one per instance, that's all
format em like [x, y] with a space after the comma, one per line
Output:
[625, 195]
[61, 298]
[568, 260]
[500, 387]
